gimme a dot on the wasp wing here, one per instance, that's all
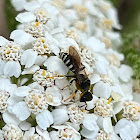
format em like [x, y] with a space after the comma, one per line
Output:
[76, 60]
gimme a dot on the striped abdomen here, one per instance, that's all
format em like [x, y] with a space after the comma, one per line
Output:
[66, 58]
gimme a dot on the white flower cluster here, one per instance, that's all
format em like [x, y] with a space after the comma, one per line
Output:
[40, 97]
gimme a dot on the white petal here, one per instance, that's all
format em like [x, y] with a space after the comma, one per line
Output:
[25, 17]
[95, 44]
[56, 65]
[51, 9]
[18, 4]
[70, 15]
[21, 111]
[44, 119]
[95, 78]
[30, 6]
[90, 122]
[118, 107]
[125, 73]
[2, 64]
[61, 83]
[136, 97]
[21, 37]
[14, 99]
[29, 134]
[91, 104]
[31, 70]
[54, 135]
[35, 85]
[12, 68]
[4, 83]
[22, 91]
[43, 133]
[25, 125]
[3, 41]
[28, 58]
[40, 60]
[102, 90]
[127, 129]
[55, 49]
[89, 134]
[10, 118]
[60, 116]
[101, 68]
[107, 125]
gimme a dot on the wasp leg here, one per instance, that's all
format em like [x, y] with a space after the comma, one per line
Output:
[71, 96]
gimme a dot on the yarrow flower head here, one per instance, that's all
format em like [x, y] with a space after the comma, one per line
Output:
[10, 54]
[131, 110]
[45, 77]
[41, 85]
[41, 46]
[36, 101]
[65, 132]
[12, 132]
[42, 15]
[4, 95]
[103, 108]
[10, 51]
[36, 29]
[102, 135]
[75, 114]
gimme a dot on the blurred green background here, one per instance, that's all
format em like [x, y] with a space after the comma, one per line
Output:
[129, 16]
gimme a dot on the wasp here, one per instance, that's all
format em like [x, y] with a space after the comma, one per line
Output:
[73, 61]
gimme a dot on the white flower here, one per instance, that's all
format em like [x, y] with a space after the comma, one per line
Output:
[128, 73]
[36, 29]
[18, 4]
[131, 110]
[10, 54]
[102, 135]
[53, 96]
[6, 90]
[75, 114]
[56, 65]
[103, 108]
[90, 127]
[12, 132]
[44, 77]
[21, 37]
[38, 135]
[33, 101]
[114, 58]
[65, 132]
[127, 129]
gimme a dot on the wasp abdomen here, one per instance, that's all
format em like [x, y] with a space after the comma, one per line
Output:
[66, 58]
